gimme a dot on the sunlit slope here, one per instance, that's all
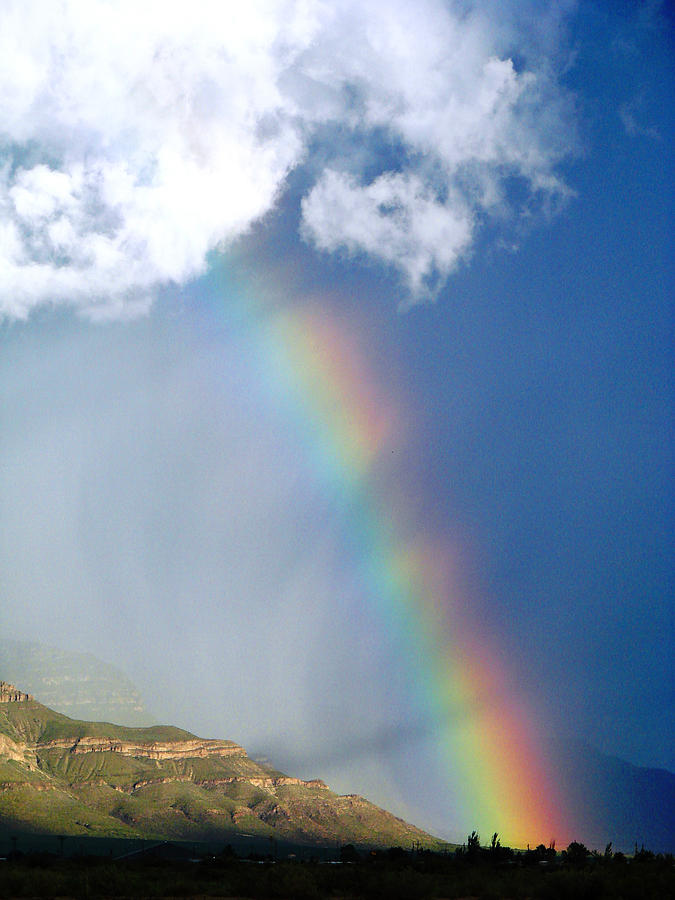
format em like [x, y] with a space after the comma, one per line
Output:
[64, 776]
[31, 721]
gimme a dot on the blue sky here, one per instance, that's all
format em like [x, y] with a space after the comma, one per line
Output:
[483, 191]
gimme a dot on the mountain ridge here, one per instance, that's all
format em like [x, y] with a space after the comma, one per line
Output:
[65, 776]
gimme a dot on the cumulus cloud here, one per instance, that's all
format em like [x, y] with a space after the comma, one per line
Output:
[137, 138]
[396, 217]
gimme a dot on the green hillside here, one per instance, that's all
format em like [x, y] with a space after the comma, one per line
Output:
[30, 720]
[71, 777]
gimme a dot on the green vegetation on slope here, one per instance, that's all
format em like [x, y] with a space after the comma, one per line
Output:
[31, 721]
[184, 788]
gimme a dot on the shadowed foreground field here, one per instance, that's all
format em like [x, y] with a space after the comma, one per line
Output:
[485, 874]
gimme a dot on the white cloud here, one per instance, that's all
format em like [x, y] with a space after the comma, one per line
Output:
[136, 138]
[396, 218]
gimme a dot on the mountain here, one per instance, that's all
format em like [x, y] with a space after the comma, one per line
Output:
[77, 684]
[615, 800]
[68, 777]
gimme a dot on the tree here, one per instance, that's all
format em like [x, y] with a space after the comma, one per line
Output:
[577, 854]
[473, 844]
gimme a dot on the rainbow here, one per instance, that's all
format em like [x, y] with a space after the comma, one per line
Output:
[491, 752]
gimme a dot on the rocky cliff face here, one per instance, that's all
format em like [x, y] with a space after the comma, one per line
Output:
[10, 694]
[10, 749]
[159, 750]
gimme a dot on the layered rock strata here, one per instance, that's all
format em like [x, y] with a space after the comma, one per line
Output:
[10, 694]
[196, 749]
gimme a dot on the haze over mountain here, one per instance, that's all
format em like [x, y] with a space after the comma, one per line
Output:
[639, 802]
[77, 684]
